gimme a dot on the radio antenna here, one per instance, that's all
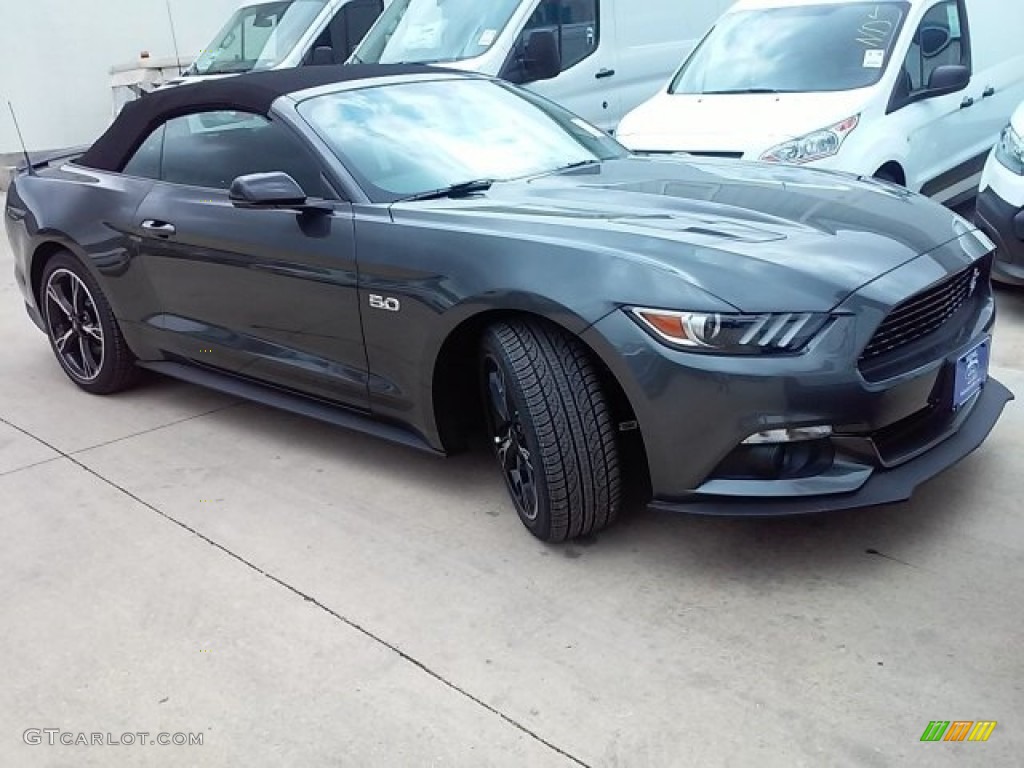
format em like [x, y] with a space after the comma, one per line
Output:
[24, 148]
[174, 38]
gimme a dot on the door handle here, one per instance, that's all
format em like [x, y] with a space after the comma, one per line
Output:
[966, 103]
[990, 91]
[159, 228]
[603, 73]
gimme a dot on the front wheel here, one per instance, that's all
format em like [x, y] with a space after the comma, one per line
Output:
[551, 428]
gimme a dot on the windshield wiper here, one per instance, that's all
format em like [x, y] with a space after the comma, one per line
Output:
[580, 164]
[461, 189]
[742, 90]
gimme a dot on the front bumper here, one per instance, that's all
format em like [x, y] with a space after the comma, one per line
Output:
[893, 423]
[1004, 223]
[888, 486]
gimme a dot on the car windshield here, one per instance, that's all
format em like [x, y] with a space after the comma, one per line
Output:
[432, 31]
[258, 37]
[801, 49]
[410, 138]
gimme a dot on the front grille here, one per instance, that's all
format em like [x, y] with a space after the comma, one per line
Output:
[923, 314]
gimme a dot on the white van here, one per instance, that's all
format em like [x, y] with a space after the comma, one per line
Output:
[1000, 209]
[598, 58]
[913, 91]
[278, 34]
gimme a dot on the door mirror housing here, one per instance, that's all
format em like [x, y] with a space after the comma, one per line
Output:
[267, 190]
[322, 56]
[947, 79]
[944, 80]
[542, 59]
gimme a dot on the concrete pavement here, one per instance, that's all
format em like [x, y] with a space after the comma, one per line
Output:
[176, 561]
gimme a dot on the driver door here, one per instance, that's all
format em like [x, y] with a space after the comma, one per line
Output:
[587, 82]
[266, 293]
[941, 134]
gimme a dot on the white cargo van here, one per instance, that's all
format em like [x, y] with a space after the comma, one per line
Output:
[1000, 209]
[598, 58]
[278, 34]
[913, 91]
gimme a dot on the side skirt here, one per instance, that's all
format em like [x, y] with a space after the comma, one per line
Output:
[287, 401]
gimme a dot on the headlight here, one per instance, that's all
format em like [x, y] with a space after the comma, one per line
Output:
[813, 146]
[1010, 150]
[729, 334]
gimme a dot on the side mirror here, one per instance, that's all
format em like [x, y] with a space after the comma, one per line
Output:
[542, 57]
[322, 56]
[267, 190]
[947, 79]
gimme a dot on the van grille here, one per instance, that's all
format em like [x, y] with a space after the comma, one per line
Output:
[923, 314]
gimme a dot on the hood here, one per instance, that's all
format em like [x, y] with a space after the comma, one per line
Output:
[756, 236]
[747, 123]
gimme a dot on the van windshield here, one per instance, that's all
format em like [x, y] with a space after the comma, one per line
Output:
[433, 31]
[796, 49]
[258, 37]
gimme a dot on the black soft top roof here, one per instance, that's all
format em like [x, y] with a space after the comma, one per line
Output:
[253, 92]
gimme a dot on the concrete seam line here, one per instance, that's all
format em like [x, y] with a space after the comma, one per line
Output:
[33, 465]
[310, 599]
[157, 428]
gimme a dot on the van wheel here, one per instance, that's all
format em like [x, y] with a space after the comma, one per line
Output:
[889, 174]
[551, 428]
[84, 334]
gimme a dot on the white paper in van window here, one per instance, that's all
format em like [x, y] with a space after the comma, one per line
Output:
[874, 58]
[597, 134]
[487, 38]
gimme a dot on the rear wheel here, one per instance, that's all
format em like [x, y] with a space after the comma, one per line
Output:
[551, 428]
[83, 333]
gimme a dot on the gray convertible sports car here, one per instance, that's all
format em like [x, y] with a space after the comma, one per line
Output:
[419, 253]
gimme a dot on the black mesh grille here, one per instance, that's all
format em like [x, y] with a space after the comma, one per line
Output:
[923, 314]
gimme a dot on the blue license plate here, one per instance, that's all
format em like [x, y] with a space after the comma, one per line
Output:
[971, 374]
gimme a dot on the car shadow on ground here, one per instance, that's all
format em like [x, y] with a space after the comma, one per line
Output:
[754, 551]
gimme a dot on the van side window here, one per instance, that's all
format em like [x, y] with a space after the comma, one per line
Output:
[940, 40]
[212, 149]
[575, 24]
[348, 27]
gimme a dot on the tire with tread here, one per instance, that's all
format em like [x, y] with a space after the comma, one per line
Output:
[566, 425]
[118, 370]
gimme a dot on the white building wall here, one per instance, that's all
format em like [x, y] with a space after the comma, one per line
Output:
[56, 55]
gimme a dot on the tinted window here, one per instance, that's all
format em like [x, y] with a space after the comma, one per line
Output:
[346, 29]
[212, 149]
[145, 163]
[574, 23]
[800, 48]
[940, 40]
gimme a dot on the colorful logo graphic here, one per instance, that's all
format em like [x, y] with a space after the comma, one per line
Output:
[958, 730]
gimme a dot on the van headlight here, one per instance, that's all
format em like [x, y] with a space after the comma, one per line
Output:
[732, 334]
[1010, 150]
[813, 146]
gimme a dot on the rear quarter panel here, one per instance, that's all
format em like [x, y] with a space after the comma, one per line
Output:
[90, 214]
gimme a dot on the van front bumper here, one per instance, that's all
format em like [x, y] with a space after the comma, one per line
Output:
[1004, 223]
